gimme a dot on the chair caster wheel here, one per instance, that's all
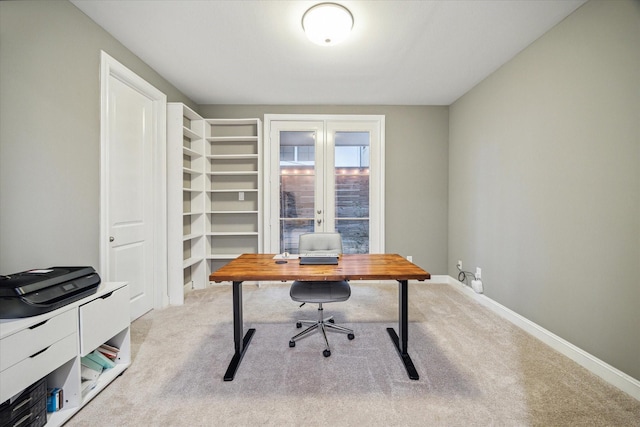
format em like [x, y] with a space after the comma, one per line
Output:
[332, 321]
[292, 343]
[351, 336]
[298, 325]
[326, 353]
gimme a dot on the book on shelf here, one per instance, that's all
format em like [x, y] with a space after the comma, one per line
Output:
[101, 359]
[89, 374]
[55, 399]
[91, 364]
[110, 351]
[110, 348]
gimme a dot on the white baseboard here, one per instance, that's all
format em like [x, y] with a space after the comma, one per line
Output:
[605, 371]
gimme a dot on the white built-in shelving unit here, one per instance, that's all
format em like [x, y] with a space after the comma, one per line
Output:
[187, 267]
[215, 197]
[234, 197]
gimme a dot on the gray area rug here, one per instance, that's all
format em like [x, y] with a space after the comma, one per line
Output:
[475, 368]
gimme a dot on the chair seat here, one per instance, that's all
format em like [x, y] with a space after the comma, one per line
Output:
[320, 291]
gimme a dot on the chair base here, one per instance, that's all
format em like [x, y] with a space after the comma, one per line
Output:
[323, 325]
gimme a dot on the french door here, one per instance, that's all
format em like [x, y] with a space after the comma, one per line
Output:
[325, 173]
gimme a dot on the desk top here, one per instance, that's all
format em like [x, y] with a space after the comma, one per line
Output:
[256, 267]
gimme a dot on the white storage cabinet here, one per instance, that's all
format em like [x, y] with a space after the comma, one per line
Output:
[50, 345]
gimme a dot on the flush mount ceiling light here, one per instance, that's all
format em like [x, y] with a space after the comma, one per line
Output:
[327, 24]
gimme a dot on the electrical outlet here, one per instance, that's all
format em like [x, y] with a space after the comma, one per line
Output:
[409, 258]
[241, 196]
[459, 265]
[478, 273]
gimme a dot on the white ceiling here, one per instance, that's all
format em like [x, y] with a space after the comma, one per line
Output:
[254, 52]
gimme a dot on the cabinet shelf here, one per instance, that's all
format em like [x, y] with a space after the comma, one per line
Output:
[232, 233]
[223, 256]
[60, 417]
[107, 376]
[232, 212]
[232, 139]
[232, 173]
[231, 156]
[190, 133]
[189, 152]
[192, 171]
[234, 190]
[189, 262]
[192, 236]
[232, 122]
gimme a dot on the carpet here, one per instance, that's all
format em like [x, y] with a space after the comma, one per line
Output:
[475, 367]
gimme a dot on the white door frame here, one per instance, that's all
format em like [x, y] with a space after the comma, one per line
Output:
[109, 67]
[271, 183]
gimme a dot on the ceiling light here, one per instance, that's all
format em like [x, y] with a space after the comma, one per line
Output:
[327, 24]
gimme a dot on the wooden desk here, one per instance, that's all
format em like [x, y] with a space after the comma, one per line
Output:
[257, 267]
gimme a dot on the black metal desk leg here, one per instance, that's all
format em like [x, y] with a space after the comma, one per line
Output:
[402, 342]
[241, 344]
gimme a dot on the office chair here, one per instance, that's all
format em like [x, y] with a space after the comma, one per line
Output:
[320, 292]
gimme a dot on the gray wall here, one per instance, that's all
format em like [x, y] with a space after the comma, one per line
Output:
[416, 143]
[50, 132]
[544, 182]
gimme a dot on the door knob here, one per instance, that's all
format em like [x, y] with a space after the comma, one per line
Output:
[111, 239]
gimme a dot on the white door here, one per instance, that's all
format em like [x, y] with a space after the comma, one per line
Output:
[326, 175]
[129, 194]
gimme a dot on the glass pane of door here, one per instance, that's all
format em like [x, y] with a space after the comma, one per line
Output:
[297, 187]
[351, 171]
